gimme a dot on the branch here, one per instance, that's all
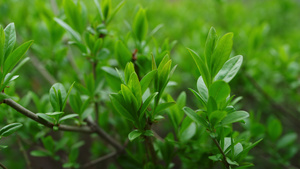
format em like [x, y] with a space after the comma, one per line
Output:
[2, 166]
[39, 66]
[99, 160]
[275, 105]
[227, 165]
[22, 149]
[34, 117]
[104, 135]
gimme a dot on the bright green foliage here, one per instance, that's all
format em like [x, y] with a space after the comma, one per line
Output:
[140, 25]
[215, 95]
[58, 99]
[9, 129]
[129, 105]
[123, 55]
[9, 57]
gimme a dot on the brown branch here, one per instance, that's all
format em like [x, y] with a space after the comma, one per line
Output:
[99, 160]
[93, 127]
[39, 66]
[22, 149]
[104, 135]
[275, 105]
[149, 144]
[34, 117]
[94, 65]
[2, 166]
[227, 165]
[158, 136]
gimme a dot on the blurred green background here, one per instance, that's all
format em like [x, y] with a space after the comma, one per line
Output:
[266, 33]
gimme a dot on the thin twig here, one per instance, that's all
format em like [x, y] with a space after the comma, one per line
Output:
[104, 135]
[227, 165]
[99, 160]
[149, 145]
[39, 66]
[3, 167]
[34, 117]
[28, 163]
[94, 65]
[158, 136]
[275, 105]
[75, 67]
[93, 128]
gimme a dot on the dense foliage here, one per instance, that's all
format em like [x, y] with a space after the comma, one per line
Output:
[149, 84]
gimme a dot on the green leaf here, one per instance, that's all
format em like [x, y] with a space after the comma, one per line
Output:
[56, 98]
[216, 116]
[67, 27]
[112, 78]
[15, 57]
[48, 143]
[219, 90]
[66, 98]
[163, 77]
[10, 39]
[69, 116]
[195, 117]
[99, 10]
[68, 165]
[211, 105]
[2, 44]
[163, 62]
[286, 140]
[274, 128]
[198, 96]
[40, 153]
[75, 15]
[10, 129]
[181, 100]
[122, 54]
[13, 72]
[113, 13]
[202, 89]
[210, 45]
[140, 25]
[129, 69]
[149, 133]
[238, 148]
[106, 6]
[158, 117]
[45, 117]
[235, 117]
[247, 165]
[221, 53]
[75, 102]
[202, 67]
[231, 162]
[118, 101]
[135, 86]
[3, 146]
[230, 69]
[54, 113]
[146, 104]
[130, 99]
[146, 80]
[163, 106]
[90, 84]
[188, 132]
[244, 153]
[134, 134]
